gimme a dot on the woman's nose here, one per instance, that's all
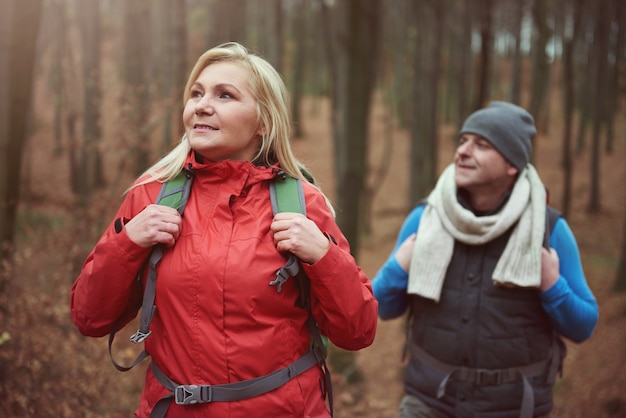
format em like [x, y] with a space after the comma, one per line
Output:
[205, 105]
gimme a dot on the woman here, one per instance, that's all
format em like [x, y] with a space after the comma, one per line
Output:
[217, 319]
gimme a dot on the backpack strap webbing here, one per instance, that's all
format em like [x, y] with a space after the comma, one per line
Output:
[287, 195]
[175, 194]
[228, 392]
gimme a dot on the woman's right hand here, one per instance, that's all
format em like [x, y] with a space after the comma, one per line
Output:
[156, 224]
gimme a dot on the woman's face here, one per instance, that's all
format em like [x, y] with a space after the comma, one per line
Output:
[220, 117]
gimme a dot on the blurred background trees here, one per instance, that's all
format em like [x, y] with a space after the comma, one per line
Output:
[109, 74]
[433, 62]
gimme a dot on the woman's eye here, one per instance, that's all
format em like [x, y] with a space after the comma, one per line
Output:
[196, 93]
[225, 95]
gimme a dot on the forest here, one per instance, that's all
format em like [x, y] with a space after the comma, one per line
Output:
[91, 95]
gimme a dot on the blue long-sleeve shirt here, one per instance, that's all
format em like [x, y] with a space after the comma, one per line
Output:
[569, 303]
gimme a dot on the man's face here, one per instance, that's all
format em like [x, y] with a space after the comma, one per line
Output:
[480, 167]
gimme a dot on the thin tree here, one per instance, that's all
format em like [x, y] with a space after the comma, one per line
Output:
[228, 21]
[516, 65]
[169, 62]
[601, 40]
[19, 28]
[424, 128]
[486, 49]
[619, 284]
[354, 72]
[300, 54]
[540, 79]
[89, 160]
[136, 100]
[617, 43]
[352, 44]
[568, 107]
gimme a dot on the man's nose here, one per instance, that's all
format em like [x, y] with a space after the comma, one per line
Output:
[464, 148]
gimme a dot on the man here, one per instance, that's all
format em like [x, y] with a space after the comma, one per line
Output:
[488, 301]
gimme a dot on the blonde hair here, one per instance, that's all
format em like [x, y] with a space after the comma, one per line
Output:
[271, 96]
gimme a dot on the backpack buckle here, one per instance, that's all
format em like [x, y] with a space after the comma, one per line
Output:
[139, 336]
[191, 394]
[486, 377]
[281, 277]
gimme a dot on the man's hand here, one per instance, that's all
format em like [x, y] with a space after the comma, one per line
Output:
[405, 252]
[549, 268]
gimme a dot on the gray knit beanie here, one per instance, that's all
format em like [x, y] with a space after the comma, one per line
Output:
[508, 127]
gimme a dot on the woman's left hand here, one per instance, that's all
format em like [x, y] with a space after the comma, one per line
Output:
[297, 234]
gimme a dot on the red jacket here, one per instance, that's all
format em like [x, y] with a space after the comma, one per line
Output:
[218, 320]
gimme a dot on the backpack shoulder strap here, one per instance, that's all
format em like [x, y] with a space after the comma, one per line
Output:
[175, 194]
[552, 216]
[287, 195]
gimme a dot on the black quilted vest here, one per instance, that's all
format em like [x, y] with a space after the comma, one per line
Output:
[480, 326]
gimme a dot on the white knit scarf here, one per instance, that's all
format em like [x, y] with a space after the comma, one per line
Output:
[444, 220]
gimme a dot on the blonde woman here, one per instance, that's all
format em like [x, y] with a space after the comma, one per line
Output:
[218, 327]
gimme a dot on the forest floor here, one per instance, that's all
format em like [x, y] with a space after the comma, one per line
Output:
[47, 369]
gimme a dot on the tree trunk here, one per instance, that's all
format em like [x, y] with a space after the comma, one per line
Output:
[352, 45]
[601, 40]
[620, 278]
[540, 80]
[424, 132]
[568, 110]
[90, 173]
[362, 60]
[516, 67]
[299, 63]
[19, 28]
[617, 44]
[136, 100]
[486, 46]
[228, 22]
[57, 76]
[269, 33]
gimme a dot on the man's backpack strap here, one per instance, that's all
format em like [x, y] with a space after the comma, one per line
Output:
[175, 194]
[552, 216]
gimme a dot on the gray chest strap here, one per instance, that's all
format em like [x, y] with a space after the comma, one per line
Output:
[491, 377]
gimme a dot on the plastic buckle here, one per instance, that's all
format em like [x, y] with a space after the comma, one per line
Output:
[139, 336]
[488, 377]
[191, 394]
[281, 277]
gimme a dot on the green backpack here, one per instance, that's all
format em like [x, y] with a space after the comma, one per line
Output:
[286, 195]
